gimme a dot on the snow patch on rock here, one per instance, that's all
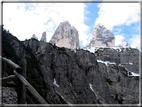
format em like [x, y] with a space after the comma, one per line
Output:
[106, 62]
[55, 82]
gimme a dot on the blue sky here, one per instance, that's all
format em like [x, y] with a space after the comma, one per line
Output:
[25, 19]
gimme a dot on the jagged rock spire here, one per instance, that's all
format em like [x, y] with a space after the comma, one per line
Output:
[101, 37]
[34, 36]
[43, 38]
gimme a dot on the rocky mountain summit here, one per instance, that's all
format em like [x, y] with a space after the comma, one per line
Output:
[43, 38]
[66, 76]
[34, 36]
[124, 45]
[101, 37]
[65, 36]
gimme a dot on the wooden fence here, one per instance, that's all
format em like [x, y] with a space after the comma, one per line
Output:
[22, 85]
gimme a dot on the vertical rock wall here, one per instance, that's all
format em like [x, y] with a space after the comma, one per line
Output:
[66, 36]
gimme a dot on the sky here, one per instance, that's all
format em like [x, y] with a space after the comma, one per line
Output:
[122, 19]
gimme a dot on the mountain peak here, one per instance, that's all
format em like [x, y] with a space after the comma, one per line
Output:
[64, 22]
[101, 37]
[43, 38]
[66, 36]
[34, 36]
[124, 45]
[98, 25]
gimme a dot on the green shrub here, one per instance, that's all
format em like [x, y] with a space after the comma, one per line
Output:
[124, 71]
[7, 46]
[61, 49]
[109, 81]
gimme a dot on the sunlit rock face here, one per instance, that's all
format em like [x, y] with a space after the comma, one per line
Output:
[101, 37]
[66, 36]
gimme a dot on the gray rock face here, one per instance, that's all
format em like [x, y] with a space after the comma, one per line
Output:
[66, 36]
[117, 71]
[81, 77]
[43, 38]
[127, 57]
[101, 37]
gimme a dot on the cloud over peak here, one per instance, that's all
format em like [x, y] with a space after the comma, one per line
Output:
[25, 19]
[117, 14]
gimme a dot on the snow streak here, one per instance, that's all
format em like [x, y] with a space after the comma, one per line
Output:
[93, 90]
[106, 62]
[55, 83]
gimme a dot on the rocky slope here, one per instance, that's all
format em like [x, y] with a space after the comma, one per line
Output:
[122, 68]
[107, 76]
[74, 75]
[66, 36]
[9, 96]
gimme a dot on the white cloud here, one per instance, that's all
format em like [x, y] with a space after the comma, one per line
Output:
[117, 14]
[135, 41]
[118, 39]
[23, 22]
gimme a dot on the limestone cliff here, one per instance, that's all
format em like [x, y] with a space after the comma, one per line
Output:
[66, 36]
[107, 76]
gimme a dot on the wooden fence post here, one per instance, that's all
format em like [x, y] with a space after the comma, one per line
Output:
[38, 97]
[3, 68]
[22, 83]
[21, 88]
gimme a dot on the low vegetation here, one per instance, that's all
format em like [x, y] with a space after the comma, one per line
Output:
[109, 81]
[125, 72]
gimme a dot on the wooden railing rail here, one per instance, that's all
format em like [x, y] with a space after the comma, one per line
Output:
[30, 88]
[22, 82]
[5, 79]
[12, 64]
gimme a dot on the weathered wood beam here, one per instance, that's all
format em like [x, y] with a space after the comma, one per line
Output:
[29, 100]
[37, 96]
[21, 92]
[12, 64]
[9, 85]
[3, 68]
[9, 78]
